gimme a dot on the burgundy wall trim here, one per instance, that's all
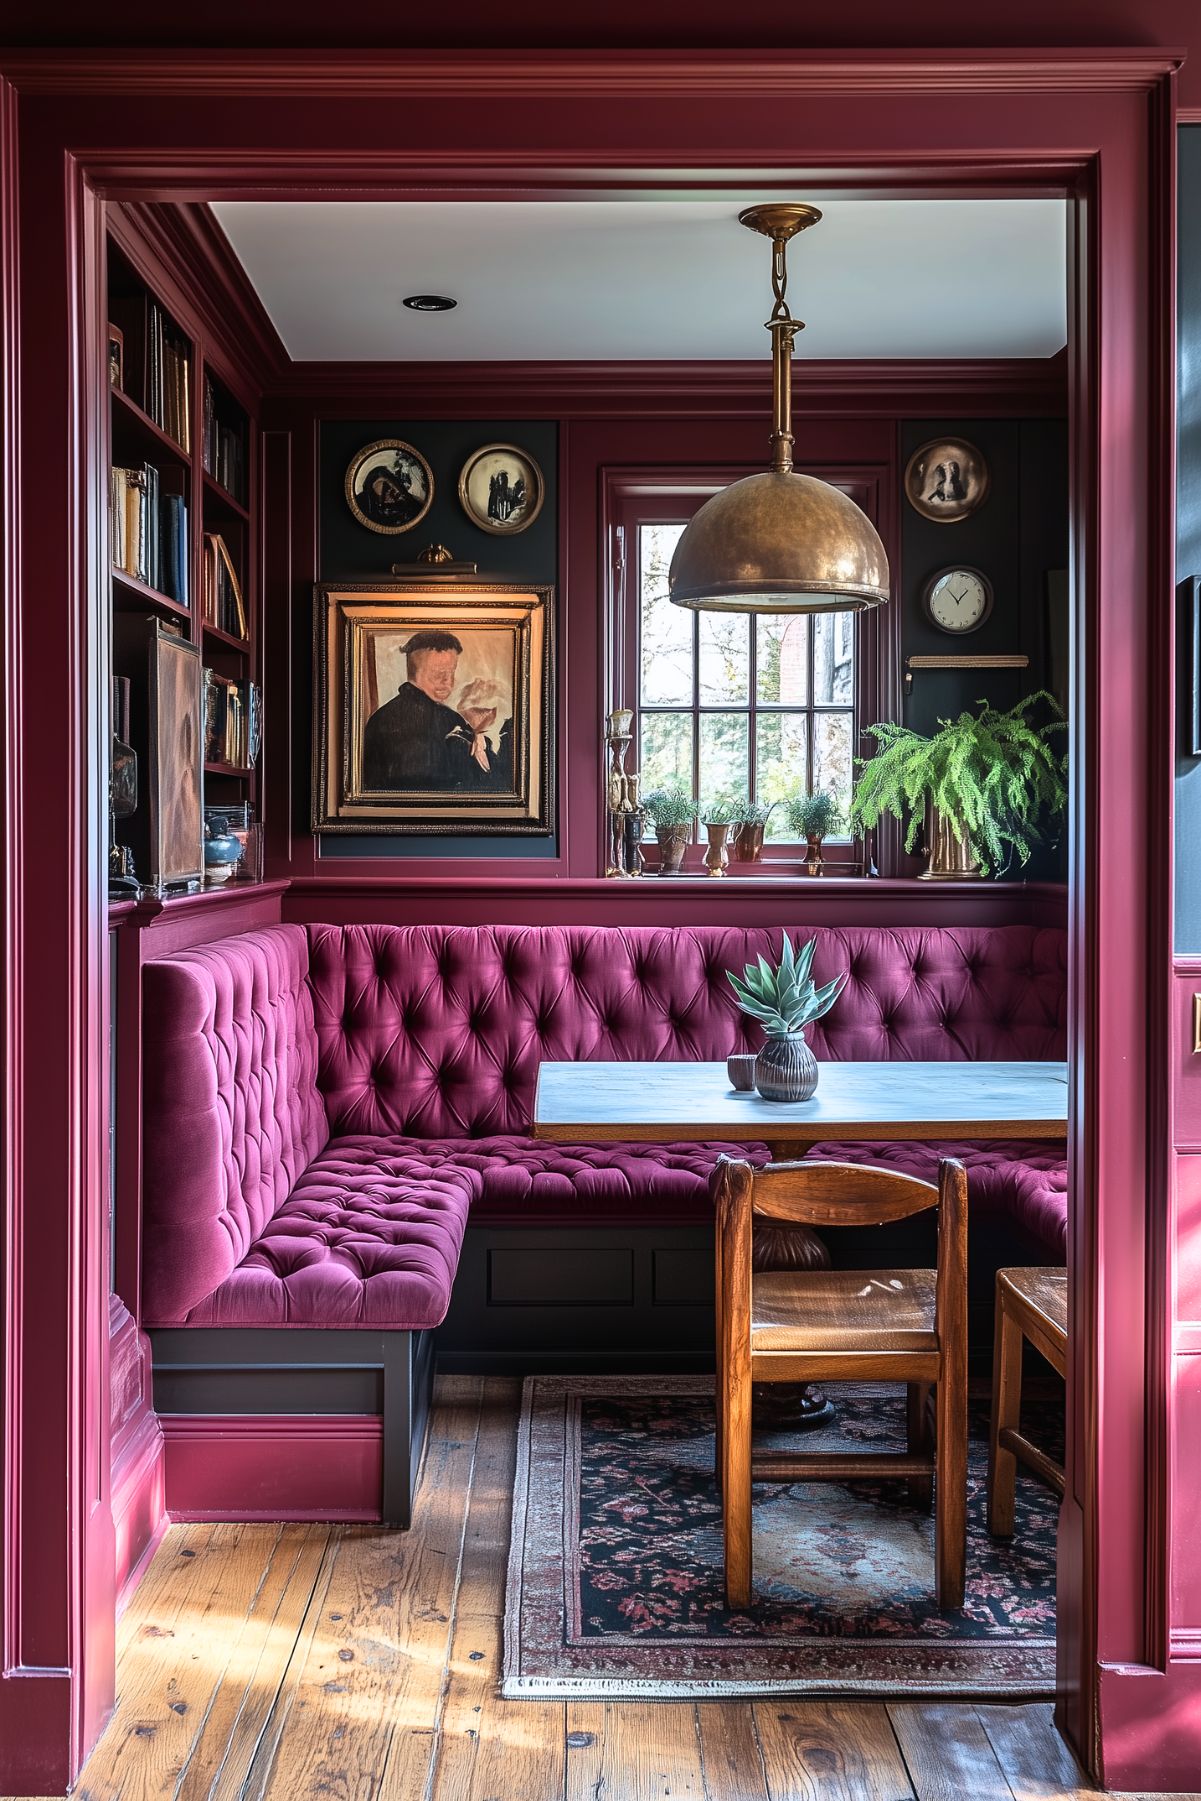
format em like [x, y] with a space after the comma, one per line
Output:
[999, 387]
[686, 901]
[273, 1466]
[550, 123]
[558, 75]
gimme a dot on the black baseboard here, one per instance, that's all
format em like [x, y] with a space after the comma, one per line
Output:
[253, 1370]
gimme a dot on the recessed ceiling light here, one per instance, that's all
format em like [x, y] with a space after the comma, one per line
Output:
[429, 303]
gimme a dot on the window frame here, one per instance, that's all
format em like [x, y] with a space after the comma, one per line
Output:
[649, 497]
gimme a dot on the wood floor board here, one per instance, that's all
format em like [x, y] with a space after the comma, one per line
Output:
[175, 1663]
[730, 1753]
[1037, 1763]
[347, 1663]
[830, 1751]
[947, 1753]
[489, 1749]
[366, 1700]
[633, 1751]
[237, 1718]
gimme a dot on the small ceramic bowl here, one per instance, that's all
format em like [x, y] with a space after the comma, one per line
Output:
[741, 1070]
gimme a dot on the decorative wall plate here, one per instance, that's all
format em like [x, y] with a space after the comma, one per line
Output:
[946, 480]
[389, 486]
[501, 489]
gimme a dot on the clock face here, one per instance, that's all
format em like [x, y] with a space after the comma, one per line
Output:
[958, 600]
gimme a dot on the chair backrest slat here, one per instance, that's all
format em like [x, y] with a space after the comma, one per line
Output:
[838, 1194]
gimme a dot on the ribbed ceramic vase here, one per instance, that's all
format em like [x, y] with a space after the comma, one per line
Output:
[786, 1070]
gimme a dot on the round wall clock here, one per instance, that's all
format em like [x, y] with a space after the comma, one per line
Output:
[501, 489]
[946, 480]
[389, 486]
[957, 600]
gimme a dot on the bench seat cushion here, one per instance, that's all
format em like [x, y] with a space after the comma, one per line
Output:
[525, 1181]
[1023, 1182]
[370, 1236]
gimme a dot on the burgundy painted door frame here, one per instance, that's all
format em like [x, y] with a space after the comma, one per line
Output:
[1097, 125]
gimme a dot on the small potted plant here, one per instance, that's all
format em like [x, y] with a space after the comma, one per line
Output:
[672, 812]
[717, 816]
[784, 1001]
[813, 817]
[750, 823]
[981, 786]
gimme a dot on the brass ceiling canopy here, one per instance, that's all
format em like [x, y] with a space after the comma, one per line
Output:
[780, 542]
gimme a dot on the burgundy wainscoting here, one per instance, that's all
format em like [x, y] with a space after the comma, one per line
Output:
[195, 125]
[273, 1466]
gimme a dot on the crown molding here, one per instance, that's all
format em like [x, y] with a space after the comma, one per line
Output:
[1017, 387]
[186, 237]
[645, 75]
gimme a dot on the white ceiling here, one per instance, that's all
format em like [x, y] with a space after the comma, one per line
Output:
[600, 280]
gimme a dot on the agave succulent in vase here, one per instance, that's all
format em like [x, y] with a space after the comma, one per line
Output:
[784, 1000]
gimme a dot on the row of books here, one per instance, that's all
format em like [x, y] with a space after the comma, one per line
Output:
[233, 714]
[224, 448]
[148, 527]
[168, 377]
[221, 594]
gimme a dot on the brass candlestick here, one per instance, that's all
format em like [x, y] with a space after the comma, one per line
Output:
[625, 813]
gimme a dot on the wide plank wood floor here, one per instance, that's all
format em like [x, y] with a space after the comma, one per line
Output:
[344, 1663]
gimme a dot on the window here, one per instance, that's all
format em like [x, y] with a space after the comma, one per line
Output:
[729, 703]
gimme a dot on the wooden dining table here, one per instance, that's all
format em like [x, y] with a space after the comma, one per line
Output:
[679, 1103]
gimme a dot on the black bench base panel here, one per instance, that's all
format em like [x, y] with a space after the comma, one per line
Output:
[265, 1423]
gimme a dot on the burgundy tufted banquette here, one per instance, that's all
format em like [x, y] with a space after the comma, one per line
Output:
[324, 1105]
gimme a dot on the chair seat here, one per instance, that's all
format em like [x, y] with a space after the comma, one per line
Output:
[843, 1309]
[1039, 1295]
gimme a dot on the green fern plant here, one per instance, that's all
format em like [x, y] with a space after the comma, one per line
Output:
[784, 999]
[721, 809]
[813, 815]
[993, 776]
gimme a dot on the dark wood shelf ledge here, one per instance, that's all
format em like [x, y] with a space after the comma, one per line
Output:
[222, 496]
[146, 596]
[136, 416]
[220, 768]
[229, 638]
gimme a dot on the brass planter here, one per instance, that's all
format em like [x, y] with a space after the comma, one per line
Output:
[717, 857]
[814, 861]
[747, 843]
[949, 855]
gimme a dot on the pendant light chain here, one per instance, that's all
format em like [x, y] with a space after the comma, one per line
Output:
[783, 329]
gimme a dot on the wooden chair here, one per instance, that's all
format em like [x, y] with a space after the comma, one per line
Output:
[843, 1325]
[1031, 1303]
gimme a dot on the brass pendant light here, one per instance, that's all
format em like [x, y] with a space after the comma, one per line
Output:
[780, 542]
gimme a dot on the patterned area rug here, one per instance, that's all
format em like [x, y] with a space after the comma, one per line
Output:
[615, 1564]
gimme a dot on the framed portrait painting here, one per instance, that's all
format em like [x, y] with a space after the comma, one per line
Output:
[433, 706]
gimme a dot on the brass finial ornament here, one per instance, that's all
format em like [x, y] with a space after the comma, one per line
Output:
[780, 542]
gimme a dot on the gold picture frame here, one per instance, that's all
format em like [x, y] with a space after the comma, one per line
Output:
[501, 489]
[389, 486]
[433, 706]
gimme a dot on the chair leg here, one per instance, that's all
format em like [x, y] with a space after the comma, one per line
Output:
[719, 1382]
[918, 1438]
[950, 1499]
[1006, 1412]
[736, 1491]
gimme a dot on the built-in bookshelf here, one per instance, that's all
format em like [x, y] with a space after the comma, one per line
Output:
[182, 508]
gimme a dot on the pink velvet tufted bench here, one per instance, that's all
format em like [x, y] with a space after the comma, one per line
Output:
[326, 1107]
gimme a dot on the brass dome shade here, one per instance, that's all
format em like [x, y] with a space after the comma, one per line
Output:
[779, 542]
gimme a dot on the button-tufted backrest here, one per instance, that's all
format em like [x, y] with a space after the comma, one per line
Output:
[232, 1113]
[437, 1031]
